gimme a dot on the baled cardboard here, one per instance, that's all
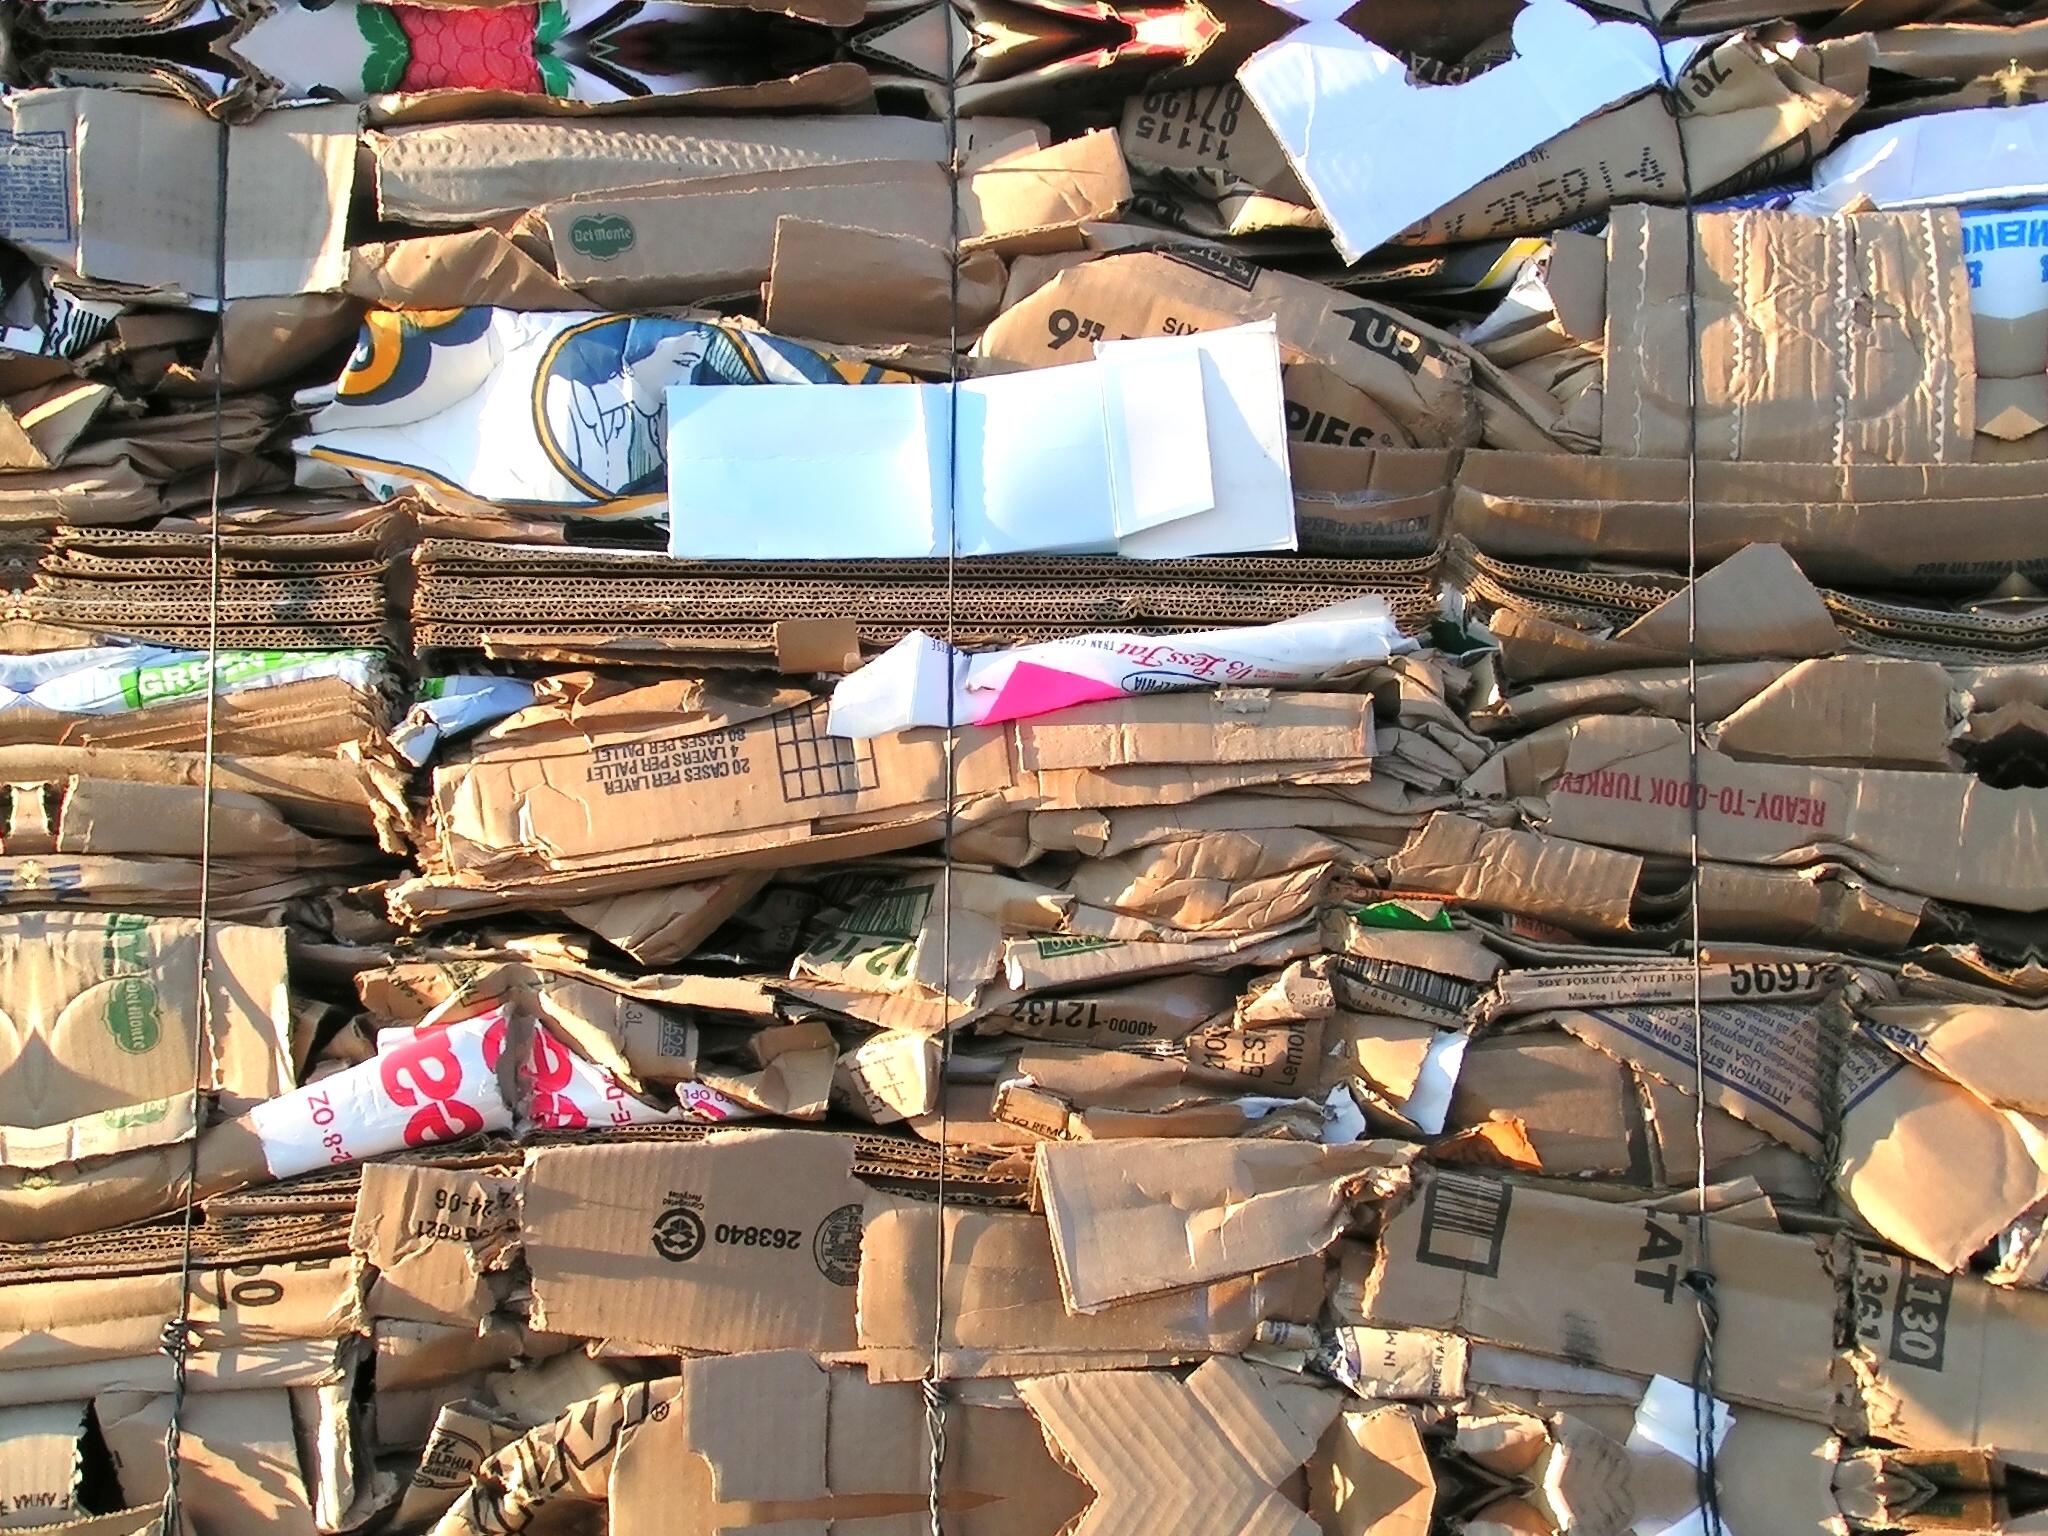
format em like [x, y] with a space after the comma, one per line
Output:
[1421, 376]
[833, 283]
[1370, 1475]
[682, 241]
[238, 1457]
[1001, 1307]
[1574, 884]
[1600, 1285]
[1752, 109]
[1352, 501]
[463, 1435]
[104, 1016]
[1166, 1009]
[431, 1235]
[1856, 525]
[1945, 1361]
[747, 1240]
[40, 1463]
[42, 1203]
[1624, 782]
[1870, 711]
[53, 1327]
[1345, 110]
[1129, 1221]
[778, 1440]
[1220, 1444]
[468, 172]
[1895, 384]
[121, 187]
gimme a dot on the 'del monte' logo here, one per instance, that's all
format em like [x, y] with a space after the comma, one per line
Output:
[604, 237]
[131, 1014]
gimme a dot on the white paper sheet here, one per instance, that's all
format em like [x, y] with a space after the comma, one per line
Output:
[1159, 448]
[1973, 155]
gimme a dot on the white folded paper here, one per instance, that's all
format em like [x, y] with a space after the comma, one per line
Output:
[1972, 155]
[1158, 448]
[907, 685]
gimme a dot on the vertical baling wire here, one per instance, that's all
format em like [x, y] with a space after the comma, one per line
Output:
[1699, 1280]
[934, 1380]
[178, 1337]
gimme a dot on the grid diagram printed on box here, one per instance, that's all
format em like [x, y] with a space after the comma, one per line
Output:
[977, 768]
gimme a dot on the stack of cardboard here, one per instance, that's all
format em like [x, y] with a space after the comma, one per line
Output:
[965, 768]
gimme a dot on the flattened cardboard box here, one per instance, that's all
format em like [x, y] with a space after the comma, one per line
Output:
[99, 1028]
[1940, 527]
[1598, 1285]
[776, 780]
[120, 186]
[1133, 1219]
[40, 1463]
[1002, 1311]
[746, 1240]
[1624, 783]
[777, 1440]
[716, 237]
[1880, 366]
[469, 172]
[1948, 1361]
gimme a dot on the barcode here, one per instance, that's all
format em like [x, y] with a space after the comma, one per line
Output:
[1464, 1222]
[1387, 986]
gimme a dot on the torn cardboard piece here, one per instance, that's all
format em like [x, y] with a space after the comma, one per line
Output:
[1894, 385]
[746, 1240]
[1130, 1221]
[1223, 1440]
[119, 187]
[1003, 1310]
[1599, 1285]
[96, 1054]
[1348, 116]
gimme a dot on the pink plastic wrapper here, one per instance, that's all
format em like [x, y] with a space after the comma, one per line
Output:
[435, 1083]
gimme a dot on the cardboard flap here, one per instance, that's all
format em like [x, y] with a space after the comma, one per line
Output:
[774, 1451]
[1185, 1473]
[1038, 199]
[1755, 603]
[1162, 1215]
[1273, 1417]
[1879, 711]
[832, 282]
[39, 1463]
[1371, 1476]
